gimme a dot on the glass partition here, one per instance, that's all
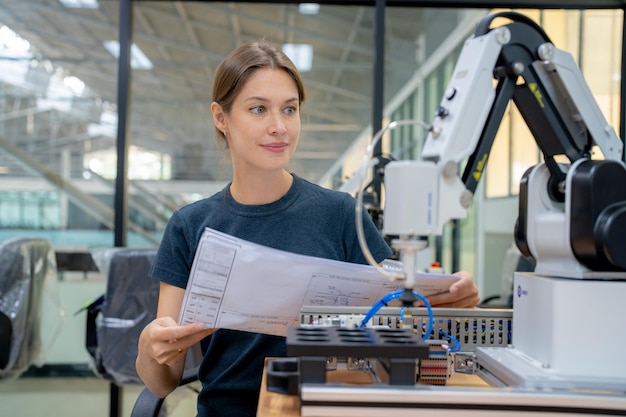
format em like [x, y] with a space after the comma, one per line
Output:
[58, 75]
[58, 84]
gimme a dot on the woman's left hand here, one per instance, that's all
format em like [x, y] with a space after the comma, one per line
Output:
[461, 294]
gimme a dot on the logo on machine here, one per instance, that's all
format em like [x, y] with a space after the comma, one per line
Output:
[479, 168]
[535, 90]
[521, 291]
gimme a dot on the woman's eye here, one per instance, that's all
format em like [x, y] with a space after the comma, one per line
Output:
[290, 110]
[257, 109]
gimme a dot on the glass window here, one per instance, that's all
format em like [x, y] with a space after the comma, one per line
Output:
[59, 97]
[579, 33]
[57, 82]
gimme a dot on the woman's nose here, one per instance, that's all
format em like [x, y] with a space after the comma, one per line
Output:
[277, 125]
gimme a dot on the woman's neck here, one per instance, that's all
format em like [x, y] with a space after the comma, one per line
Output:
[261, 189]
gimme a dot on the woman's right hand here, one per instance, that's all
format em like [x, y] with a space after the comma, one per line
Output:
[163, 344]
[166, 343]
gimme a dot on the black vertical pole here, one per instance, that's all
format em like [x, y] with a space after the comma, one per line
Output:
[378, 96]
[622, 95]
[121, 181]
[123, 91]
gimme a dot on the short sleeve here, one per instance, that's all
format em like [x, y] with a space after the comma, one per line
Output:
[175, 254]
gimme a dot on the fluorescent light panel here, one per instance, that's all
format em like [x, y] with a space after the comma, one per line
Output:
[309, 8]
[80, 4]
[301, 54]
[138, 60]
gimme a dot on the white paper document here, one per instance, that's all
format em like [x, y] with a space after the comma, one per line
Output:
[236, 284]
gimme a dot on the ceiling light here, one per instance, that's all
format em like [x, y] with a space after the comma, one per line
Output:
[78, 4]
[138, 60]
[301, 55]
[309, 8]
[11, 41]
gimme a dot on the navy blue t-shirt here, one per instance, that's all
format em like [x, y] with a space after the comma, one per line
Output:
[308, 220]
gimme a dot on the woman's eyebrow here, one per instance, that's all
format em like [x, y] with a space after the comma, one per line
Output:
[258, 98]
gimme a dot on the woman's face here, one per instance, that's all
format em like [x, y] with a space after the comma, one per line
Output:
[263, 125]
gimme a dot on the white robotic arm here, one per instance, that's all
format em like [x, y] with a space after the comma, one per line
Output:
[572, 218]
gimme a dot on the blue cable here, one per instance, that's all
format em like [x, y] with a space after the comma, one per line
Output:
[392, 296]
[456, 345]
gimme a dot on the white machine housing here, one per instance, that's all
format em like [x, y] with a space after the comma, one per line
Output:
[566, 326]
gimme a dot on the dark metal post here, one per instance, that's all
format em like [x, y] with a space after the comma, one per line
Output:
[378, 93]
[622, 93]
[123, 92]
[121, 180]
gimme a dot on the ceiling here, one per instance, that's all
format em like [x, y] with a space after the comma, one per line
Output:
[185, 41]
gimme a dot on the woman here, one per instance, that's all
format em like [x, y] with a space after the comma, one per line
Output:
[257, 99]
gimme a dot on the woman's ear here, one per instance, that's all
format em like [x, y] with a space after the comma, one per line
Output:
[219, 117]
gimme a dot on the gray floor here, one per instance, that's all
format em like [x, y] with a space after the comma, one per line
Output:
[76, 397]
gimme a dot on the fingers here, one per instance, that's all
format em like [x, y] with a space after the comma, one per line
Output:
[187, 330]
[461, 294]
[184, 342]
[467, 302]
[175, 350]
[167, 343]
[166, 329]
[171, 355]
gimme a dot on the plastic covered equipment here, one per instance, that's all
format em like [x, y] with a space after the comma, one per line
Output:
[116, 319]
[30, 312]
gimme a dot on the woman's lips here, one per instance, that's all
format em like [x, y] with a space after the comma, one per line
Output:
[276, 147]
